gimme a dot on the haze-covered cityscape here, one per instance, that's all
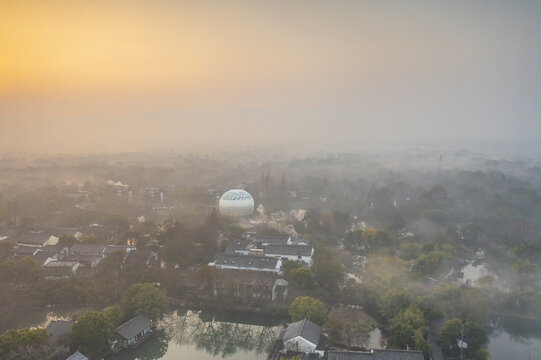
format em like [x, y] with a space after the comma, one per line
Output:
[253, 180]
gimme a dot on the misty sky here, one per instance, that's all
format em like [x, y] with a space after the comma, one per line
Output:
[117, 75]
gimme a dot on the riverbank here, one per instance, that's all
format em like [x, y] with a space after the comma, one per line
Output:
[274, 310]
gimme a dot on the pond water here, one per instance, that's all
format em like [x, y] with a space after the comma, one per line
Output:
[517, 339]
[40, 318]
[205, 335]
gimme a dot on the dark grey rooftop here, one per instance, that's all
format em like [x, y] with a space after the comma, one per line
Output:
[54, 249]
[246, 261]
[305, 329]
[375, 355]
[134, 326]
[237, 244]
[123, 248]
[295, 250]
[40, 257]
[77, 356]
[33, 239]
[87, 248]
[311, 356]
[61, 264]
[87, 258]
[274, 239]
[25, 250]
[8, 233]
[141, 257]
[59, 328]
[59, 231]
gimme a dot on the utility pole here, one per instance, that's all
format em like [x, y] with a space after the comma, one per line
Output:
[462, 342]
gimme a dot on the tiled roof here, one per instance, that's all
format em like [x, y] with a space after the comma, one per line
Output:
[77, 356]
[296, 250]
[280, 239]
[33, 239]
[40, 257]
[85, 248]
[134, 326]
[61, 264]
[246, 261]
[237, 244]
[25, 250]
[58, 328]
[376, 355]
[305, 329]
[89, 258]
[53, 249]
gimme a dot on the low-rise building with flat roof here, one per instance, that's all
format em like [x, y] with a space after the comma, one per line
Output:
[247, 262]
[291, 252]
[387, 354]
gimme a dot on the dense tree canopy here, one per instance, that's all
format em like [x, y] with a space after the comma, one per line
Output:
[348, 326]
[309, 308]
[431, 264]
[115, 315]
[91, 332]
[18, 340]
[22, 270]
[393, 303]
[304, 279]
[408, 328]
[473, 334]
[144, 299]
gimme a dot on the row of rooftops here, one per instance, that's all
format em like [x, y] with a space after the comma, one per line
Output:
[262, 253]
[28, 234]
[78, 260]
[39, 237]
[254, 262]
[281, 244]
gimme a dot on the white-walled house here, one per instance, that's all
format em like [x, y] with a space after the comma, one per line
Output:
[247, 262]
[291, 252]
[303, 336]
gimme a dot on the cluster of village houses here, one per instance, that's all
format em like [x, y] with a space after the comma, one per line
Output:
[250, 267]
[78, 260]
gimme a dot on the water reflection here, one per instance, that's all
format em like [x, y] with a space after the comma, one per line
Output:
[217, 338]
[516, 338]
[204, 335]
[521, 329]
